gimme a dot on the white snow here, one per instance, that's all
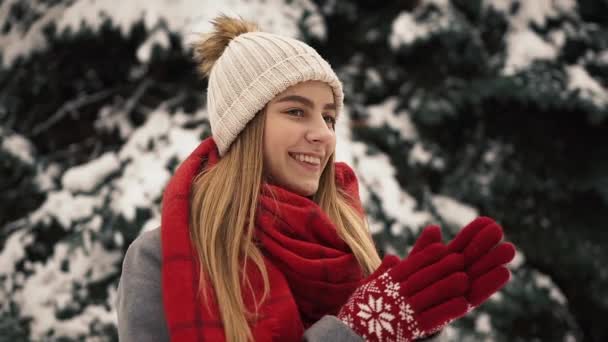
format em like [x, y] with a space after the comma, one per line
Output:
[406, 29]
[141, 165]
[47, 175]
[518, 261]
[13, 251]
[139, 184]
[419, 155]
[376, 175]
[450, 333]
[545, 282]
[155, 127]
[483, 323]
[86, 177]
[181, 142]
[489, 156]
[159, 38]
[524, 47]
[557, 37]
[66, 208]
[110, 119]
[602, 57]
[21, 40]
[17, 145]
[385, 113]
[590, 89]
[146, 168]
[373, 77]
[523, 44]
[537, 11]
[50, 288]
[344, 137]
[183, 17]
[141, 179]
[455, 213]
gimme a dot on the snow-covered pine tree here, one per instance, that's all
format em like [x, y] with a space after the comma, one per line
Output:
[502, 105]
[454, 108]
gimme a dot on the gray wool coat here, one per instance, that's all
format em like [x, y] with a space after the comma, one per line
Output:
[140, 308]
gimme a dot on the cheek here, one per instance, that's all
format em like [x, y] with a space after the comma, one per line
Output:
[279, 135]
[274, 148]
[267, 149]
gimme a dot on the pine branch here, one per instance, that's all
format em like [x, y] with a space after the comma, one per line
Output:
[139, 92]
[71, 107]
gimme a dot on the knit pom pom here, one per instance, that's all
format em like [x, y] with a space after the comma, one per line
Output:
[210, 46]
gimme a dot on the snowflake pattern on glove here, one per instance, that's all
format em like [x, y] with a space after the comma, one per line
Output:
[378, 312]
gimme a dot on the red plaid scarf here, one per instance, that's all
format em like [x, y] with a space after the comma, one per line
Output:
[311, 270]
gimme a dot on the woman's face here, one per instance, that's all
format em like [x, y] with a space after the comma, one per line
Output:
[299, 136]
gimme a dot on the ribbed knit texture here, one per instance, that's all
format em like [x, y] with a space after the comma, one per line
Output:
[254, 68]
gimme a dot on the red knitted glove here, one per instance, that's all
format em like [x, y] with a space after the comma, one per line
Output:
[411, 299]
[430, 234]
[485, 257]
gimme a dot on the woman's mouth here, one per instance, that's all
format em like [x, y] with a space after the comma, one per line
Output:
[308, 162]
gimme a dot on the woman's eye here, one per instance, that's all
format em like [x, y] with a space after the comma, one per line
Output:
[331, 121]
[296, 112]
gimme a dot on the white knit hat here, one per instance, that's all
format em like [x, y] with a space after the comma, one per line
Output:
[252, 70]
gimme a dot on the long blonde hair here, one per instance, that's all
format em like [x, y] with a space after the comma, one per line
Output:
[224, 201]
[223, 207]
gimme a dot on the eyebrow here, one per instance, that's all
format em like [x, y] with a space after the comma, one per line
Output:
[305, 101]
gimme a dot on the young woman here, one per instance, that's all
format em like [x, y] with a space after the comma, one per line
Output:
[263, 236]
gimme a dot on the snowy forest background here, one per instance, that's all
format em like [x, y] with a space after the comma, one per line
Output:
[453, 109]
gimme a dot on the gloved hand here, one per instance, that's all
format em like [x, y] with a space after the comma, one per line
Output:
[485, 257]
[430, 234]
[409, 299]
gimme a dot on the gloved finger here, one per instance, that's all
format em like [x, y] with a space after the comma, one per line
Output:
[388, 261]
[418, 261]
[432, 274]
[486, 285]
[466, 234]
[501, 255]
[430, 234]
[442, 314]
[483, 242]
[455, 285]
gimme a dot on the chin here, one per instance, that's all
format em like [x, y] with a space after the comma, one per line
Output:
[305, 189]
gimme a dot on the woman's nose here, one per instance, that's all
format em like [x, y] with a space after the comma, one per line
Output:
[319, 131]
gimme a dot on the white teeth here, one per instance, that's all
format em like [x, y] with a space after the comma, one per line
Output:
[307, 159]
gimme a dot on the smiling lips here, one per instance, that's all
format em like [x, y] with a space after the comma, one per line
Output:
[309, 161]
